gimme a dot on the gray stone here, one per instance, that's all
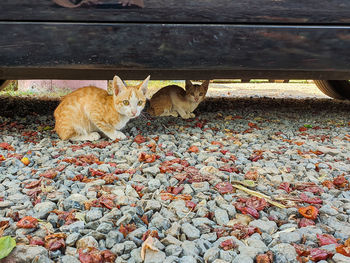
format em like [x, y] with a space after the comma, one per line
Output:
[69, 259]
[153, 184]
[151, 170]
[170, 240]
[159, 222]
[189, 248]
[328, 210]
[200, 187]
[287, 250]
[105, 228]
[118, 249]
[153, 205]
[42, 259]
[202, 220]
[174, 230]
[268, 227]
[42, 209]
[290, 237]
[72, 238]
[242, 258]
[221, 216]
[136, 255]
[187, 259]
[93, 214]
[211, 254]
[339, 258]
[228, 255]
[173, 250]
[190, 231]
[154, 256]
[74, 227]
[24, 254]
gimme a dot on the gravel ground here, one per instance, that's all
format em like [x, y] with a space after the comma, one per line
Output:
[181, 190]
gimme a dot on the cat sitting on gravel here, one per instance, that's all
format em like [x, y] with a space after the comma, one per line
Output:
[89, 110]
[173, 100]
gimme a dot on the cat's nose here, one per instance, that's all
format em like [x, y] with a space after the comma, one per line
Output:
[196, 99]
[133, 112]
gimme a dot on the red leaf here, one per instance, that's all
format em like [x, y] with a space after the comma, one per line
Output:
[33, 184]
[317, 254]
[229, 168]
[147, 158]
[265, 258]
[286, 187]
[139, 139]
[193, 149]
[228, 244]
[302, 129]
[340, 181]
[256, 203]
[217, 143]
[108, 256]
[144, 219]
[304, 222]
[326, 239]
[191, 205]
[302, 250]
[6, 146]
[55, 242]
[224, 188]
[27, 222]
[309, 212]
[314, 200]
[90, 255]
[37, 241]
[51, 174]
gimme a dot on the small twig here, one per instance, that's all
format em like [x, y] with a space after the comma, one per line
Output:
[260, 195]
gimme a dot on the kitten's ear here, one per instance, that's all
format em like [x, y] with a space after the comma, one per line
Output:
[143, 85]
[205, 84]
[118, 85]
[188, 84]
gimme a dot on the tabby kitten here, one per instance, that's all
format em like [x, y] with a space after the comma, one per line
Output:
[89, 110]
[173, 100]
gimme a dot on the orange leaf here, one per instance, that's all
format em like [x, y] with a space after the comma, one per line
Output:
[309, 212]
[193, 149]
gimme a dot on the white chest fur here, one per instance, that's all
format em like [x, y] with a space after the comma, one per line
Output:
[122, 122]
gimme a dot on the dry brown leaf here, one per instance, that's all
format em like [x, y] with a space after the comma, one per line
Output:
[148, 244]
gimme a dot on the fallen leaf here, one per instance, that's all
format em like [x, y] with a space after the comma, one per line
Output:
[7, 243]
[193, 149]
[224, 187]
[147, 244]
[326, 239]
[27, 222]
[25, 161]
[309, 212]
[139, 139]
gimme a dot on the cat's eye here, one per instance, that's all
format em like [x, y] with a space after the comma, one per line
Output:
[140, 103]
[201, 94]
[126, 102]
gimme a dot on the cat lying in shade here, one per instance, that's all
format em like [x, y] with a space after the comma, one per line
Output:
[173, 100]
[84, 113]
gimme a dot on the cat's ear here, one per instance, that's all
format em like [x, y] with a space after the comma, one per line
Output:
[205, 84]
[188, 84]
[118, 85]
[143, 85]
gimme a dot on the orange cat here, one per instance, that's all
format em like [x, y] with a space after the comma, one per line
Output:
[173, 100]
[89, 110]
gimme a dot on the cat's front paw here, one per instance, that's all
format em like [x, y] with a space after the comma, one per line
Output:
[187, 116]
[192, 115]
[94, 136]
[118, 135]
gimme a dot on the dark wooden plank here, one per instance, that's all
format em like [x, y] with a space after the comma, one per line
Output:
[153, 47]
[219, 11]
